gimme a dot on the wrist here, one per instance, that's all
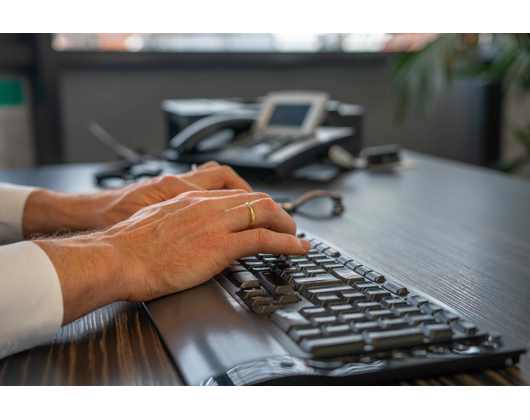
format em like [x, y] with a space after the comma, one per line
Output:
[90, 272]
[48, 211]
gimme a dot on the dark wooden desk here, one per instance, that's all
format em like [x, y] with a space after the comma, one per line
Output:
[458, 232]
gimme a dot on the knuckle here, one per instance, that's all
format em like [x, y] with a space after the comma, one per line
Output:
[167, 180]
[269, 205]
[263, 236]
[212, 163]
[227, 169]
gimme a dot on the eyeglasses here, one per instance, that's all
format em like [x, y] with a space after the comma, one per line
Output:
[316, 203]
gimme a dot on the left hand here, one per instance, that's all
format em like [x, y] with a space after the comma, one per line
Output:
[47, 211]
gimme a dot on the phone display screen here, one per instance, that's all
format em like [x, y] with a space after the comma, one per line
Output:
[291, 114]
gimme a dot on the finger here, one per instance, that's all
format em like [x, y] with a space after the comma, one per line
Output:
[224, 204]
[170, 186]
[252, 242]
[268, 215]
[211, 164]
[215, 178]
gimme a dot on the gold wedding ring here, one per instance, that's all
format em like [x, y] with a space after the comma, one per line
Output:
[252, 215]
[194, 167]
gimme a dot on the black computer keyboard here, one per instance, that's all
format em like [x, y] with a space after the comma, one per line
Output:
[352, 322]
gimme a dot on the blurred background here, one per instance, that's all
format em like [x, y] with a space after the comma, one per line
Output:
[459, 96]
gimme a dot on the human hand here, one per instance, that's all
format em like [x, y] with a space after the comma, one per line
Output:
[168, 247]
[48, 211]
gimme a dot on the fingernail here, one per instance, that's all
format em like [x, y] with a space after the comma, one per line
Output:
[306, 245]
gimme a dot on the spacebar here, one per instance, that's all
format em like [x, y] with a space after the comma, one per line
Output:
[394, 338]
[333, 346]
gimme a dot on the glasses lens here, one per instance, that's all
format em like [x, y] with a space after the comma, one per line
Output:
[321, 206]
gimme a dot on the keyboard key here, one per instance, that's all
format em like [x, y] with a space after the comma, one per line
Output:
[333, 346]
[258, 300]
[296, 260]
[286, 319]
[326, 259]
[252, 264]
[415, 320]
[266, 308]
[271, 259]
[334, 330]
[323, 280]
[312, 311]
[437, 331]
[282, 269]
[396, 288]
[313, 272]
[392, 324]
[286, 298]
[391, 302]
[376, 294]
[246, 293]
[446, 317]
[290, 276]
[417, 300]
[394, 338]
[257, 270]
[274, 283]
[322, 247]
[298, 334]
[362, 305]
[302, 266]
[353, 265]
[324, 299]
[343, 259]
[465, 327]
[234, 268]
[347, 276]
[317, 256]
[431, 308]
[362, 286]
[354, 317]
[337, 308]
[401, 311]
[362, 270]
[374, 314]
[319, 320]
[251, 259]
[331, 266]
[352, 296]
[337, 289]
[359, 327]
[244, 280]
[332, 252]
[373, 276]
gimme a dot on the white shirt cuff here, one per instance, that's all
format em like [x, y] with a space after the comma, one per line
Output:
[12, 202]
[31, 300]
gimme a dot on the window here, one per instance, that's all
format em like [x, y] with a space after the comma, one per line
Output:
[242, 43]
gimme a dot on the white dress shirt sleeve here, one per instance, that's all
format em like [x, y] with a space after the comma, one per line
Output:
[12, 202]
[31, 301]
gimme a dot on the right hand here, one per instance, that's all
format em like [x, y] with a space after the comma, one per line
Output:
[169, 247]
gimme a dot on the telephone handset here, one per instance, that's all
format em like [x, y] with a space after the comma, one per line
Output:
[192, 135]
[282, 137]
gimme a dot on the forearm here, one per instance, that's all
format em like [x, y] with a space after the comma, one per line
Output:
[48, 211]
[90, 273]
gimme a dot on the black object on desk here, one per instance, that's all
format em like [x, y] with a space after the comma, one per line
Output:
[284, 132]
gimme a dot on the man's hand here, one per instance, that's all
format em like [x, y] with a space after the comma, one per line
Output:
[168, 247]
[47, 212]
